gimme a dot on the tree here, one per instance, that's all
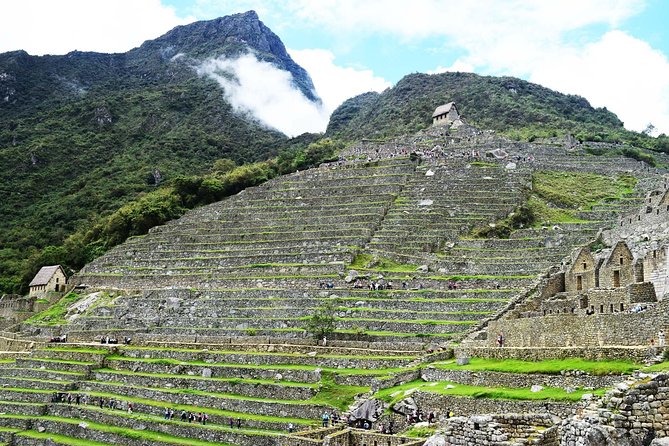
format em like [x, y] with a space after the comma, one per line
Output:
[323, 321]
[649, 130]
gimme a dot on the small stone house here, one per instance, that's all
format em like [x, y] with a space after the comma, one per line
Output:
[48, 279]
[617, 270]
[581, 275]
[445, 114]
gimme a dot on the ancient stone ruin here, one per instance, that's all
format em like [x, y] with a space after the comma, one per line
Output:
[197, 331]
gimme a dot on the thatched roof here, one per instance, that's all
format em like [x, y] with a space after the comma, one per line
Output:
[45, 274]
[443, 109]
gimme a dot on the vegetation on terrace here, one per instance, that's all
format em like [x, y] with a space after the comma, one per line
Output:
[557, 197]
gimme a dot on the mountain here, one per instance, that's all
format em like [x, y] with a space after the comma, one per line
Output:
[497, 103]
[84, 133]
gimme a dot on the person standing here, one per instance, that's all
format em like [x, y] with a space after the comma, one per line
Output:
[661, 339]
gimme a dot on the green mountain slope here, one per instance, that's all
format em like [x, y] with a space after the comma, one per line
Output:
[498, 103]
[84, 133]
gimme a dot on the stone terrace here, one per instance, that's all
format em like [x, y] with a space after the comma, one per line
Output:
[216, 301]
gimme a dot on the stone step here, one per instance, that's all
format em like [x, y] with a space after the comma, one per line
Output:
[323, 360]
[266, 406]
[57, 365]
[41, 374]
[378, 308]
[236, 386]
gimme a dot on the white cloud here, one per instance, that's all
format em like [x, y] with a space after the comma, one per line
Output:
[549, 42]
[457, 66]
[58, 27]
[333, 83]
[619, 72]
[266, 93]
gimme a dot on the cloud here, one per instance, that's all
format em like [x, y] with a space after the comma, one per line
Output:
[620, 72]
[58, 27]
[266, 93]
[334, 83]
[571, 45]
[457, 66]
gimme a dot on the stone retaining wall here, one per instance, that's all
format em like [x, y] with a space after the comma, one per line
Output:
[466, 406]
[499, 379]
[507, 429]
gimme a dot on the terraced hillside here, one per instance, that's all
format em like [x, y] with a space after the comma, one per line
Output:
[217, 302]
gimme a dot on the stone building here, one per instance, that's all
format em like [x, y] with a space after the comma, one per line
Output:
[581, 274]
[445, 114]
[596, 301]
[617, 270]
[48, 278]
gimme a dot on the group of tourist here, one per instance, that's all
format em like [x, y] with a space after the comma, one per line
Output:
[380, 285]
[109, 340]
[61, 338]
[330, 419]
[69, 398]
[189, 417]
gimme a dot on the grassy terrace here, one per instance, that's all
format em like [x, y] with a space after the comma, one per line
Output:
[60, 439]
[279, 354]
[211, 379]
[337, 371]
[121, 431]
[547, 367]
[335, 396]
[397, 393]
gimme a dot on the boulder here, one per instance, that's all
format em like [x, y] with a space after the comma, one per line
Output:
[536, 388]
[423, 269]
[407, 406]
[206, 373]
[510, 166]
[436, 440]
[462, 360]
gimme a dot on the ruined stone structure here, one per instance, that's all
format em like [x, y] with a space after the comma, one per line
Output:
[48, 278]
[341, 436]
[216, 302]
[500, 429]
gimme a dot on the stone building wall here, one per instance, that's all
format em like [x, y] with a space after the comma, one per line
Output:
[581, 274]
[656, 269]
[618, 268]
[466, 406]
[567, 330]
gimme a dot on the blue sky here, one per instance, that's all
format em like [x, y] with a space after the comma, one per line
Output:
[613, 52]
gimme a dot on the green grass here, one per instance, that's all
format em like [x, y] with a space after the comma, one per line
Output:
[122, 431]
[61, 439]
[568, 189]
[209, 410]
[333, 394]
[54, 315]
[346, 371]
[552, 367]
[420, 432]
[395, 394]
[381, 264]
[97, 351]
[661, 367]
[200, 378]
